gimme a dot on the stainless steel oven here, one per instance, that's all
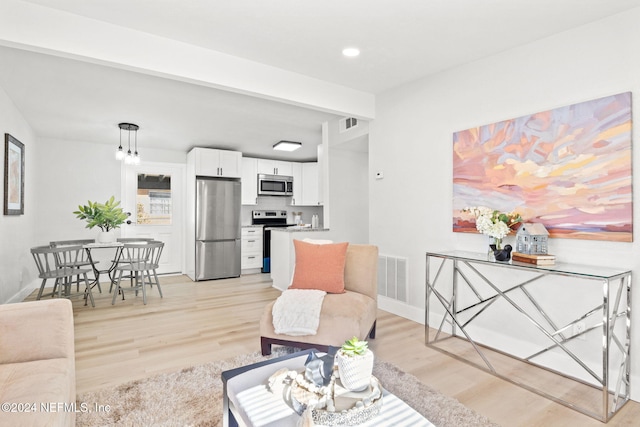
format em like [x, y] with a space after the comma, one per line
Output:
[275, 185]
[269, 219]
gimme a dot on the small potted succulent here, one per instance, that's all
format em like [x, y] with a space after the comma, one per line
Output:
[355, 364]
[106, 216]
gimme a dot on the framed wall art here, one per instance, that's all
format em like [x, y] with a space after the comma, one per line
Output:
[568, 168]
[13, 176]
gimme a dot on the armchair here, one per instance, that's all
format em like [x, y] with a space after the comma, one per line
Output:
[343, 315]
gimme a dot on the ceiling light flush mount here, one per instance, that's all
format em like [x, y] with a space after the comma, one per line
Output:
[351, 52]
[287, 145]
[129, 158]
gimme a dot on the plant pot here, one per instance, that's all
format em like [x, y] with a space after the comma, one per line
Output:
[106, 236]
[355, 371]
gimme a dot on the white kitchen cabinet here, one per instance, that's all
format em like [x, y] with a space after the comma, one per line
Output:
[310, 184]
[305, 184]
[296, 200]
[249, 181]
[251, 248]
[275, 167]
[266, 166]
[213, 162]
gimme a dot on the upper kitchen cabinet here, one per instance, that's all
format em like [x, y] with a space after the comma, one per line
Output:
[275, 167]
[306, 190]
[213, 162]
[310, 184]
[249, 181]
[296, 173]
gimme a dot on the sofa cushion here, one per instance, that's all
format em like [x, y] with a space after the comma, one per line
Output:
[346, 315]
[36, 330]
[319, 266]
[44, 383]
[342, 316]
[37, 363]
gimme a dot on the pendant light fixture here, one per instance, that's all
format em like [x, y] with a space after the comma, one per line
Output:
[128, 157]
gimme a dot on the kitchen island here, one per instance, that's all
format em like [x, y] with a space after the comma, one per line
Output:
[283, 255]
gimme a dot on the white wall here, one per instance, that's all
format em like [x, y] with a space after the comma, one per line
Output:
[71, 173]
[17, 268]
[348, 180]
[348, 171]
[411, 141]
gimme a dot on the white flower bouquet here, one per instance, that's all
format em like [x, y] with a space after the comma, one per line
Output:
[493, 223]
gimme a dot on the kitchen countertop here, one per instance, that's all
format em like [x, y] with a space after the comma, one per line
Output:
[295, 229]
[252, 226]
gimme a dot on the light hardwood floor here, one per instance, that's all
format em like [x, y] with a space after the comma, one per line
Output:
[200, 322]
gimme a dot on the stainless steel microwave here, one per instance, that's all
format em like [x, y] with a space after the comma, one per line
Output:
[275, 185]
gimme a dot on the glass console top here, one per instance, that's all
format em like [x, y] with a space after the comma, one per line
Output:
[557, 268]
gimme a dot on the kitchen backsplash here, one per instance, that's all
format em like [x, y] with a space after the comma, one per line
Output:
[281, 204]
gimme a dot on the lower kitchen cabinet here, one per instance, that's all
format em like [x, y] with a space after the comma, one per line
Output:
[251, 248]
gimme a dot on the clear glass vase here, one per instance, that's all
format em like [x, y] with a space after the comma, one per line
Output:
[496, 243]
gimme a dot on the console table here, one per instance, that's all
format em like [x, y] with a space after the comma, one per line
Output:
[561, 331]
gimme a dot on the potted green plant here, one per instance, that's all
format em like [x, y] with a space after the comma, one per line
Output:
[106, 216]
[355, 364]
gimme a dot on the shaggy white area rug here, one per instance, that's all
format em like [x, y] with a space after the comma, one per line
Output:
[193, 397]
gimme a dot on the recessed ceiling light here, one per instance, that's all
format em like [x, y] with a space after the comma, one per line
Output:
[287, 145]
[351, 52]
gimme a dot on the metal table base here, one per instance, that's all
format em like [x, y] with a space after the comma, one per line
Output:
[479, 304]
[118, 246]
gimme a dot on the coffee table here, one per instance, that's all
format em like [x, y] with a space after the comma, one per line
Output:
[247, 401]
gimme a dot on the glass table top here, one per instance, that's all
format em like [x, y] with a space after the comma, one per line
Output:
[558, 268]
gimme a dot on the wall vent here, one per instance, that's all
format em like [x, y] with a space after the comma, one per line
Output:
[348, 123]
[393, 277]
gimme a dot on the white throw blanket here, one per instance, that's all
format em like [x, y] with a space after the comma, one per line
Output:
[297, 312]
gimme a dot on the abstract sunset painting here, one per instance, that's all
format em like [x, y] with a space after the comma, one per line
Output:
[568, 168]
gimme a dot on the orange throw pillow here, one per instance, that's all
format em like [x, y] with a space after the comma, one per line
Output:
[319, 266]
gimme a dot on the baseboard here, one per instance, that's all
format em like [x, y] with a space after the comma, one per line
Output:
[401, 309]
[24, 292]
[635, 393]
[279, 288]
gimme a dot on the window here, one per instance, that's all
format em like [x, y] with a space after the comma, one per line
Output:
[153, 200]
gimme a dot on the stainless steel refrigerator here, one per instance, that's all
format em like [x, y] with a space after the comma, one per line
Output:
[218, 232]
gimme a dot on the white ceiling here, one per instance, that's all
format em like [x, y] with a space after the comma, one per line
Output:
[73, 100]
[400, 42]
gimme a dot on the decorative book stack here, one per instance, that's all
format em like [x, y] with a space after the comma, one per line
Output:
[537, 259]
